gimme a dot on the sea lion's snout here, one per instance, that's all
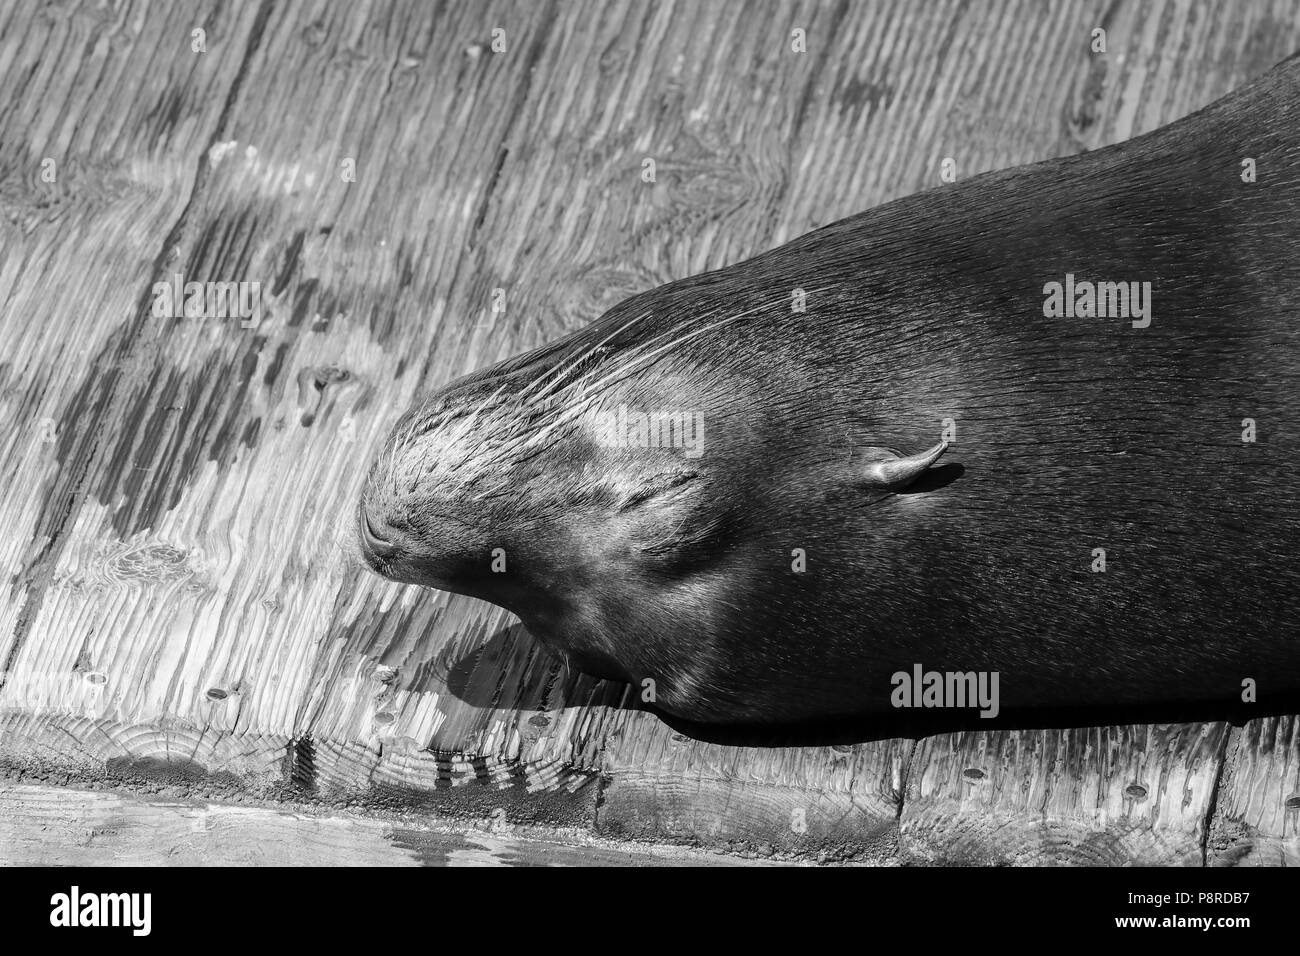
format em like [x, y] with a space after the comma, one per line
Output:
[445, 503]
[376, 546]
[512, 489]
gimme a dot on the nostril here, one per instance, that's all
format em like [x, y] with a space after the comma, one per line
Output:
[375, 543]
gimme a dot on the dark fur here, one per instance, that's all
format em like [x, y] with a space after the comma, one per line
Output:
[1072, 434]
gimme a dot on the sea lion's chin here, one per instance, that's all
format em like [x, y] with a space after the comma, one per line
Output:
[401, 572]
[511, 595]
[406, 568]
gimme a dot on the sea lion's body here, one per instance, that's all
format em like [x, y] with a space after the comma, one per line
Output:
[1068, 434]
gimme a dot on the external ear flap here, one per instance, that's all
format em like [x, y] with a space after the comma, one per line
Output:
[889, 471]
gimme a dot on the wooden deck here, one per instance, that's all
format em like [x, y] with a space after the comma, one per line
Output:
[181, 612]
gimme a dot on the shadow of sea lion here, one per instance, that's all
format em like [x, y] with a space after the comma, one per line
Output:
[514, 669]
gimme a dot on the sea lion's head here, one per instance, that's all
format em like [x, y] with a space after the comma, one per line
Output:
[623, 491]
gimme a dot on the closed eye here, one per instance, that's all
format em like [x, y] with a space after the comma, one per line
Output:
[662, 484]
[667, 520]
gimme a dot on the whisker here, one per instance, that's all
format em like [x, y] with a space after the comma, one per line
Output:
[590, 392]
[637, 359]
[559, 372]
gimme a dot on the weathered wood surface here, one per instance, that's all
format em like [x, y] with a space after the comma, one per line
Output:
[1257, 817]
[48, 826]
[180, 605]
[1099, 796]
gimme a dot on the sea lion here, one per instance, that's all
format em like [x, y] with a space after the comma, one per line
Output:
[1103, 348]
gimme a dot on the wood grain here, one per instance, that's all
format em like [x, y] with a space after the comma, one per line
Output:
[125, 142]
[1101, 796]
[1257, 813]
[182, 607]
[836, 802]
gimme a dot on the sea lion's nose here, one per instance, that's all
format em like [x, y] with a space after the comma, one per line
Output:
[373, 541]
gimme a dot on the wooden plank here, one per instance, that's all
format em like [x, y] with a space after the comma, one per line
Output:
[57, 747]
[177, 760]
[186, 605]
[837, 802]
[203, 573]
[1257, 811]
[1098, 796]
[112, 103]
[46, 826]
